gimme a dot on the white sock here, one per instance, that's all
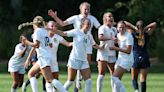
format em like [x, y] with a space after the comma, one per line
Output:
[88, 85]
[49, 87]
[78, 78]
[119, 87]
[68, 84]
[100, 79]
[112, 84]
[34, 84]
[122, 88]
[58, 86]
[13, 90]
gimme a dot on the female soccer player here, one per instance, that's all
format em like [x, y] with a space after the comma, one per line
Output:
[125, 56]
[41, 42]
[106, 58]
[78, 56]
[76, 21]
[16, 63]
[141, 36]
[33, 60]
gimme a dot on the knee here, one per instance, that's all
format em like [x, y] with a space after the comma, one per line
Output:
[20, 84]
[30, 74]
[48, 80]
[15, 84]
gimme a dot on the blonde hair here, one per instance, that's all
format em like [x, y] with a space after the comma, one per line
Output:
[50, 23]
[83, 21]
[38, 21]
[84, 3]
[104, 16]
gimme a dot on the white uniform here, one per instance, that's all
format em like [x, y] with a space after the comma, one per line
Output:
[76, 21]
[43, 52]
[78, 55]
[125, 60]
[107, 54]
[56, 39]
[16, 62]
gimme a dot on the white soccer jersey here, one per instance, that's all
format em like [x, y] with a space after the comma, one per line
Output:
[41, 35]
[76, 21]
[16, 60]
[107, 32]
[56, 39]
[80, 44]
[123, 58]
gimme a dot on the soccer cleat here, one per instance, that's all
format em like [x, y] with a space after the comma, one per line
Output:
[75, 89]
[136, 90]
[78, 84]
[24, 87]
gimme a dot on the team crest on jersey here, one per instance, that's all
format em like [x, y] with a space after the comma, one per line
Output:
[55, 40]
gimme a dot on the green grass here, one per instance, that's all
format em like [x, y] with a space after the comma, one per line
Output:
[155, 83]
[155, 80]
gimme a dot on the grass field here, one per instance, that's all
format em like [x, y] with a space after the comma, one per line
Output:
[155, 81]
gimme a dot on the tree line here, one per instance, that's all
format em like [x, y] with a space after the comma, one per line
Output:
[14, 12]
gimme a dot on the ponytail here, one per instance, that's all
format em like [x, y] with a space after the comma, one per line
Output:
[25, 25]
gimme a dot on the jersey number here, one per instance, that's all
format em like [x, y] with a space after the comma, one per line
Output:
[46, 39]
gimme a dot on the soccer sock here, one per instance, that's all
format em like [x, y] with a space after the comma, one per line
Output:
[78, 78]
[34, 84]
[49, 87]
[13, 90]
[119, 85]
[88, 85]
[44, 84]
[58, 86]
[112, 84]
[68, 84]
[27, 83]
[143, 86]
[99, 82]
[122, 88]
[135, 84]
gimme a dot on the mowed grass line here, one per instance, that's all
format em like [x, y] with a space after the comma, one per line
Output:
[155, 83]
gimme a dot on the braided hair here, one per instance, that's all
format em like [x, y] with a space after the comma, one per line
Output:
[38, 21]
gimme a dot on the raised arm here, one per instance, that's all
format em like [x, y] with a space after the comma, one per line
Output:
[150, 28]
[58, 20]
[130, 26]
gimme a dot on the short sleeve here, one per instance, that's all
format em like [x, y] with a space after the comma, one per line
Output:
[92, 41]
[101, 30]
[71, 20]
[18, 48]
[60, 38]
[130, 40]
[36, 35]
[96, 22]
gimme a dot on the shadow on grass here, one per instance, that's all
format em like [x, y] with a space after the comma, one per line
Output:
[155, 68]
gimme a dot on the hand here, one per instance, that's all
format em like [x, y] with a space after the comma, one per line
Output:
[114, 38]
[24, 39]
[26, 64]
[52, 13]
